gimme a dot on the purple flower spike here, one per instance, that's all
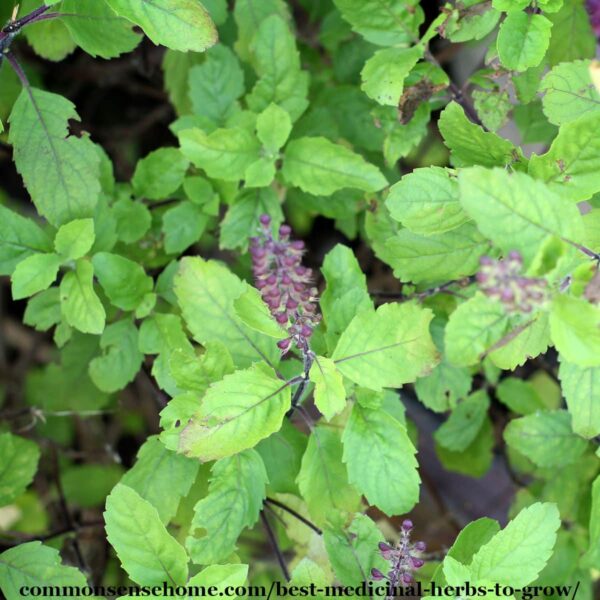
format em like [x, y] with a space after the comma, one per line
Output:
[503, 281]
[285, 285]
[404, 558]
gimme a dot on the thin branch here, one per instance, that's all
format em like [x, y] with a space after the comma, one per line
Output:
[439, 289]
[70, 523]
[32, 17]
[275, 545]
[20, 538]
[458, 94]
[295, 514]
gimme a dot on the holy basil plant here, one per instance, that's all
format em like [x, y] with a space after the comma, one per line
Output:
[362, 212]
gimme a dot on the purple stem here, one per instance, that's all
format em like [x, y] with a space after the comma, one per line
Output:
[14, 63]
[32, 17]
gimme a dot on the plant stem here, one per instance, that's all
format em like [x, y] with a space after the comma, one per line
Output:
[457, 94]
[275, 545]
[295, 514]
[37, 15]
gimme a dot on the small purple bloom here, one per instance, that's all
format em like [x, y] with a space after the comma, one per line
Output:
[285, 284]
[593, 10]
[503, 281]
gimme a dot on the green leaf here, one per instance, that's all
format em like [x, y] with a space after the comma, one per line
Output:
[277, 64]
[147, 551]
[176, 67]
[252, 310]
[492, 107]
[473, 328]
[120, 361]
[384, 73]
[43, 310]
[124, 281]
[236, 413]
[575, 330]
[330, 395]
[19, 238]
[133, 220]
[75, 239]
[249, 15]
[60, 171]
[383, 22]
[159, 174]
[523, 40]
[520, 396]
[34, 274]
[592, 556]
[79, 303]
[273, 127]
[440, 390]
[581, 388]
[221, 578]
[476, 459]
[161, 477]
[260, 173]
[346, 292]
[177, 24]
[529, 341]
[436, 258]
[50, 39]
[88, 485]
[546, 438]
[569, 92]
[376, 444]
[33, 564]
[517, 212]
[464, 423]
[223, 154]
[387, 347]
[353, 553]
[183, 226]
[570, 167]
[427, 202]
[282, 454]
[234, 500]
[95, 28]
[19, 464]
[572, 34]
[320, 167]
[471, 538]
[242, 216]
[323, 480]
[469, 144]
[206, 291]
[517, 554]
[216, 85]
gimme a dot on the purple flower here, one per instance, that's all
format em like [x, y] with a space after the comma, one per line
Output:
[593, 9]
[404, 558]
[284, 283]
[503, 281]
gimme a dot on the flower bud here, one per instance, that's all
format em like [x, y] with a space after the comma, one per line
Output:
[407, 579]
[377, 575]
[420, 546]
[265, 220]
[417, 563]
[284, 345]
[407, 525]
